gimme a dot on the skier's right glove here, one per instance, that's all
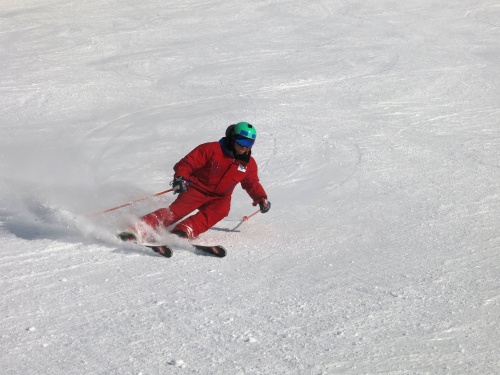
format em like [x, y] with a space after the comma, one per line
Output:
[264, 204]
[179, 185]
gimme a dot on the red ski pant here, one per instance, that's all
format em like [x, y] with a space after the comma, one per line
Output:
[211, 210]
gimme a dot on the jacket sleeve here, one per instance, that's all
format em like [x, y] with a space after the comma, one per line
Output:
[252, 184]
[193, 161]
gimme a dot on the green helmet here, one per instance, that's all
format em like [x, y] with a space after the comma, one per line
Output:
[245, 134]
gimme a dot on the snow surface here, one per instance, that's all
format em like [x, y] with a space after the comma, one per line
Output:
[378, 144]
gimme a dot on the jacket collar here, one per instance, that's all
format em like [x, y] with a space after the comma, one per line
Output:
[229, 151]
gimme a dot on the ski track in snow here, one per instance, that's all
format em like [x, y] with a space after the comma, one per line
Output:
[378, 145]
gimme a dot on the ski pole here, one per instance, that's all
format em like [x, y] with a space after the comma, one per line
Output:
[130, 203]
[245, 218]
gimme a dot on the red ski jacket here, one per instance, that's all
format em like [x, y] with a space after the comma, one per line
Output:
[212, 169]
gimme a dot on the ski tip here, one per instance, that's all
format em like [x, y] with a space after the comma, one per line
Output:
[162, 250]
[217, 251]
[222, 252]
[127, 236]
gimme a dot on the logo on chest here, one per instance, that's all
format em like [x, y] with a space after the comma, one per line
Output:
[242, 168]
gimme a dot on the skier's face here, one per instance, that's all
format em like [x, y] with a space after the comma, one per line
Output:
[240, 150]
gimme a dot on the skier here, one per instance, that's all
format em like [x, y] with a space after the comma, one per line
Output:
[205, 179]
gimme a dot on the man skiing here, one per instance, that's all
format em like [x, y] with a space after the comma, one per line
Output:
[205, 179]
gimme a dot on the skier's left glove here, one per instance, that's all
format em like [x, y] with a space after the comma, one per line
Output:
[263, 203]
[179, 185]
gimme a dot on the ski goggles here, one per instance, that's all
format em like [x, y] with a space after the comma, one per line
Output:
[244, 142]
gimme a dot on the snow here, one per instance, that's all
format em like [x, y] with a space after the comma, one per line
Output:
[378, 143]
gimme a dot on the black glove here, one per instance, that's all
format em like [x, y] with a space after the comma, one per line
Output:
[179, 185]
[264, 204]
